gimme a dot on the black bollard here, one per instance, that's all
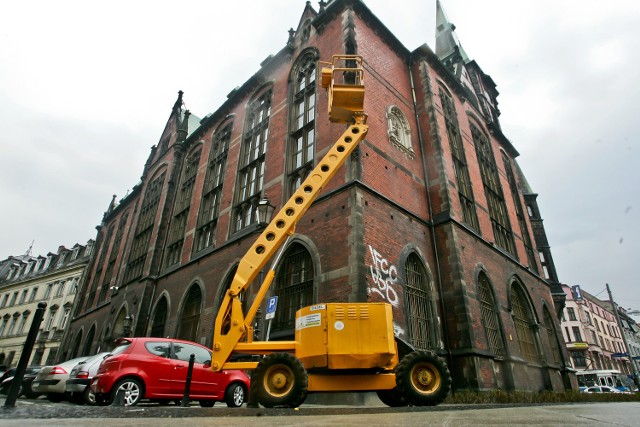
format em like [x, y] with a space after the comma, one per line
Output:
[12, 395]
[187, 385]
[253, 392]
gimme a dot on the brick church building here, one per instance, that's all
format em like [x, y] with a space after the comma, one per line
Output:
[431, 213]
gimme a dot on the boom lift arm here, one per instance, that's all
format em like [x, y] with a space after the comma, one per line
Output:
[338, 346]
[233, 331]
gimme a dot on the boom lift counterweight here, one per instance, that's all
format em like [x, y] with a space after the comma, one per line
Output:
[337, 346]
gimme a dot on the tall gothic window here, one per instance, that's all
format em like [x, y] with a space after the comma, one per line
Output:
[489, 313]
[113, 255]
[181, 209]
[144, 229]
[252, 161]
[524, 323]
[465, 192]
[104, 250]
[293, 286]
[493, 191]
[159, 319]
[422, 317]
[302, 132]
[190, 316]
[524, 230]
[551, 335]
[212, 190]
[398, 130]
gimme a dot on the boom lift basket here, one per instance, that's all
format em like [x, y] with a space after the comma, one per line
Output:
[344, 80]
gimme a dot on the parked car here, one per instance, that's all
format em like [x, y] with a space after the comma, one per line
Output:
[52, 380]
[26, 387]
[601, 389]
[156, 369]
[77, 386]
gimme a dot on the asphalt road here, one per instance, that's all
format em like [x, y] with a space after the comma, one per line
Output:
[41, 412]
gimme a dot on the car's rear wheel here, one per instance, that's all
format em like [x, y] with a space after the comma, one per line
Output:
[127, 392]
[234, 395]
[88, 396]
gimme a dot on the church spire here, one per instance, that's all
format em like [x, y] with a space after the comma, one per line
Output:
[447, 43]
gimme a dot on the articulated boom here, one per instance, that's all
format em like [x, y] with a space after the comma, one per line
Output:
[233, 331]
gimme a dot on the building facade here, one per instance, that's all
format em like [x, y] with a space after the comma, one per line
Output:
[428, 214]
[25, 282]
[592, 334]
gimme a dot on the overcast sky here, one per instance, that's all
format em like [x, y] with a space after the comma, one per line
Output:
[86, 89]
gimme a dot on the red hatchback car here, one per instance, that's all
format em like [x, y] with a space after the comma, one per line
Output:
[156, 369]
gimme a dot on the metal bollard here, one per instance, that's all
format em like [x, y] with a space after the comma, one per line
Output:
[12, 395]
[252, 402]
[187, 385]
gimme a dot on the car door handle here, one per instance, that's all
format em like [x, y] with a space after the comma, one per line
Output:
[178, 367]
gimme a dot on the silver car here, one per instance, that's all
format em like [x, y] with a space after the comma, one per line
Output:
[52, 380]
[80, 378]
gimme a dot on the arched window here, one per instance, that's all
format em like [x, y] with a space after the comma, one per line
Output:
[294, 286]
[524, 323]
[524, 230]
[74, 349]
[86, 350]
[144, 229]
[159, 318]
[212, 189]
[489, 313]
[463, 181]
[251, 167]
[551, 334]
[398, 130]
[118, 325]
[302, 123]
[420, 308]
[190, 317]
[182, 206]
[493, 191]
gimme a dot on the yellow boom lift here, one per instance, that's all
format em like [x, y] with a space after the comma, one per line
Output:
[338, 347]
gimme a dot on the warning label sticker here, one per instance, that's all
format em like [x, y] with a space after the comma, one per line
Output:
[308, 321]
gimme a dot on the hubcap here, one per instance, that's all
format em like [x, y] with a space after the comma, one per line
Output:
[131, 393]
[238, 395]
[278, 380]
[425, 378]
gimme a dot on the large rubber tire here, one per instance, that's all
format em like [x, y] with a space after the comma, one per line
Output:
[392, 398]
[281, 381]
[423, 378]
[235, 395]
[133, 391]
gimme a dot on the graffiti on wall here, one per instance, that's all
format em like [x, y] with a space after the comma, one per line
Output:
[385, 277]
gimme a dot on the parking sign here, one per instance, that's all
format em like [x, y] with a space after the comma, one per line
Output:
[272, 303]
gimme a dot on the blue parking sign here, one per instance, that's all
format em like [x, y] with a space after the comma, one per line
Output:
[272, 303]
